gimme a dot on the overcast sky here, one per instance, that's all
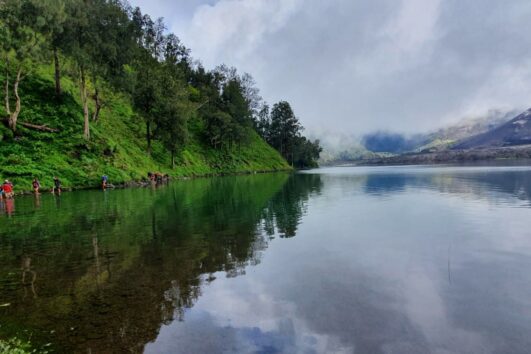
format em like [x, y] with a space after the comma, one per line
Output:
[363, 65]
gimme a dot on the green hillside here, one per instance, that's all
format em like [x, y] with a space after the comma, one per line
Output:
[117, 146]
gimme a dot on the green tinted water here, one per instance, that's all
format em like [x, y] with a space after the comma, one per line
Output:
[365, 260]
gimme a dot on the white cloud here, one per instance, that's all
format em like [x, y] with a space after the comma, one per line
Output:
[358, 66]
[233, 29]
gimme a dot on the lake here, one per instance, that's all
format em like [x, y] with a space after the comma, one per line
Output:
[409, 259]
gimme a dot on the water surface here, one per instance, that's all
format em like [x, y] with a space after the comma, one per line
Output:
[338, 260]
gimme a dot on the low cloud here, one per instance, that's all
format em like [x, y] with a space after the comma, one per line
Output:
[360, 66]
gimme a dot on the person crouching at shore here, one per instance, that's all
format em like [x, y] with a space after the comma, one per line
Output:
[7, 189]
[36, 185]
[56, 185]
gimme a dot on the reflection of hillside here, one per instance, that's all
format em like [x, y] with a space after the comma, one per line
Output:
[289, 205]
[112, 267]
[491, 186]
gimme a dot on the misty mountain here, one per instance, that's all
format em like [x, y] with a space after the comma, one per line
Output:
[342, 148]
[517, 131]
[349, 147]
[445, 138]
[392, 142]
[438, 140]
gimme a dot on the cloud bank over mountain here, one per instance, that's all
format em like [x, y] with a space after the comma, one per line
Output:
[360, 66]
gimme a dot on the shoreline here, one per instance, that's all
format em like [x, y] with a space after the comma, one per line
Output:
[508, 153]
[147, 183]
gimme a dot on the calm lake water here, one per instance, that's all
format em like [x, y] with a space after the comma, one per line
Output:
[337, 260]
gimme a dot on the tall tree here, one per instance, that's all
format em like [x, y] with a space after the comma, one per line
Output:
[147, 88]
[306, 152]
[235, 104]
[21, 48]
[172, 122]
[263, 122]
[252, 95]
[175, 107]
[218, 129]
[284, 129]
[146, 94]
[53, 14]
[113, 47]
[80, 39]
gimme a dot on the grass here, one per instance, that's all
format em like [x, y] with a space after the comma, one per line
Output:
[117, 147]
[17, 346]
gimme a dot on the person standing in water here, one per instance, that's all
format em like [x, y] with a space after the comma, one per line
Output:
[36, 185]
[104, 179]
[7, 188]
[56, 185]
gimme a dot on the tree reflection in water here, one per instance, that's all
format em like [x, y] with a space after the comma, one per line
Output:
[162, 245]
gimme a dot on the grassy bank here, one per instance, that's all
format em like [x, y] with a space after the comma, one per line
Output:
[117, 147]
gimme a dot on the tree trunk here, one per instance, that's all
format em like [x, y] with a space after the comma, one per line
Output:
[173, 159]
[43, 128]
[98, 104]
[84, 101]
[6, 90]
[148, 136]
[12, 119]
[57, 68]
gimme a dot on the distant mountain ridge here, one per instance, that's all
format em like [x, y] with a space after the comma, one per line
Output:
[447, 137]
[509, 140]
[439, 140]
[517, 131]
[497, 128]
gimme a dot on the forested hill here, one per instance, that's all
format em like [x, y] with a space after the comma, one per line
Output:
[96, 87]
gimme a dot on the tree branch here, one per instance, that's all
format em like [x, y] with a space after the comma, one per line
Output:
[43, 128]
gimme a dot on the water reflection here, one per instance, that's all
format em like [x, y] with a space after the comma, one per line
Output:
[477, 183]
[287, 207]
[385, 260]
[114, 267]
[27, 271]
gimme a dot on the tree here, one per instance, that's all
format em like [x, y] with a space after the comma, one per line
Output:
[234, 103]
[113, 47]
[147, 88]
[174, 111]
[306, 153]
[53, 15]
[251, 94]
[80, 39]
[21, 45]
[263, 122]
[218, 129]
[284, 129]
[146, 95]
[176, 55]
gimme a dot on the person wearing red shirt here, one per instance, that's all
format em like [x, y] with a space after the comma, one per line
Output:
[8, 189]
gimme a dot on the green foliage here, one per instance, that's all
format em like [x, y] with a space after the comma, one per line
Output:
[19, 31]
[306, 153]
[17, 346]
[283, 130]
[117, 148]
[14, 346]
[130, 90]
